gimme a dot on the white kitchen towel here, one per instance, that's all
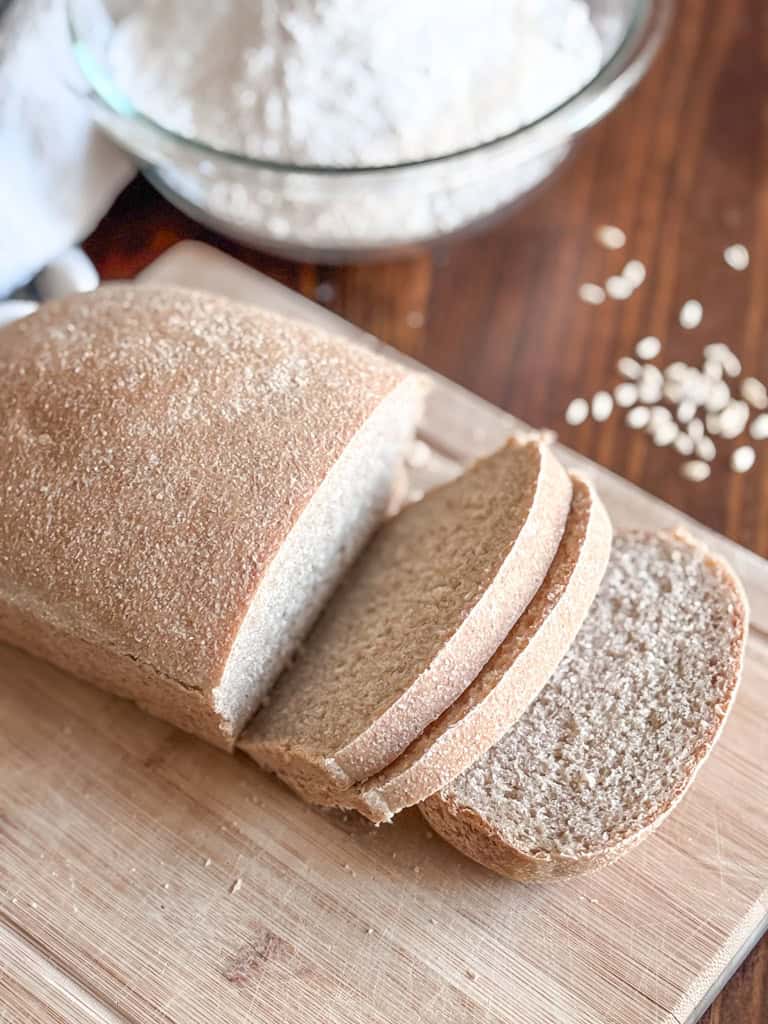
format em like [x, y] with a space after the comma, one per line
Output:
[58, 173]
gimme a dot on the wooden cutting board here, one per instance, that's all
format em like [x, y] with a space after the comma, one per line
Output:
[145, 877]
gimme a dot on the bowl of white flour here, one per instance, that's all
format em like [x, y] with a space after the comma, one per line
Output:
[346, 129]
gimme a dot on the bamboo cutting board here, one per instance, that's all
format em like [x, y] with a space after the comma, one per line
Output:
[147, 878]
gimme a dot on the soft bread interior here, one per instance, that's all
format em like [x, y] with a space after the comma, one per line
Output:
[339, 519]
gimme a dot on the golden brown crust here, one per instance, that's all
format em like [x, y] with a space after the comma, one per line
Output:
[158, 447]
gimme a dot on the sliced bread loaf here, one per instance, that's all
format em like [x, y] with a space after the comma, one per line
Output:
[184, 481]
[511, 679]
[415, 620]
[614, 740]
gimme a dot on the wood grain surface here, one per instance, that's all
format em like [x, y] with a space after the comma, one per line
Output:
[682, 166]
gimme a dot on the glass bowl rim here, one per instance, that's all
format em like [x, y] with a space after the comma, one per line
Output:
[645, 32]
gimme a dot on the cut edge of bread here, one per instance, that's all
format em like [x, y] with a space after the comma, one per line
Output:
[470, 833]
[511, 679]
[320, 780]
[351, 502]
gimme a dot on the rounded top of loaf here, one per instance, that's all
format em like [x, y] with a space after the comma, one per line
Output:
[158, 446]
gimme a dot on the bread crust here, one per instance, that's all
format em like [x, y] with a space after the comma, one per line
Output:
[481, 841]
[159, 446]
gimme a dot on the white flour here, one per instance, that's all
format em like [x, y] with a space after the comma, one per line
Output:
[349, 82]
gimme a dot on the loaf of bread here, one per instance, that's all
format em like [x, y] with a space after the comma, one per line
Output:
[183, 481]
[616, 738]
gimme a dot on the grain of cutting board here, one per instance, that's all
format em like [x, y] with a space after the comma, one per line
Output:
[145, 877]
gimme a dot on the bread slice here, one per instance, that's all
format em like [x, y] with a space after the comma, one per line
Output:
[184, 481]
[511, 679]
[613, 742]
[415, 620]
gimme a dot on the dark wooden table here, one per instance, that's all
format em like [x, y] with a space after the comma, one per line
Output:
[682, 167]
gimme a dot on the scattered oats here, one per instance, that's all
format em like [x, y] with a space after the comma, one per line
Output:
[166, 885]
[577, 412]
[696, 429]
[634, 272]
[651, 386]
[591, 293]
[602, 406]
[732, 366]
[713, 423]
[755, 392]
[673, 390]
[34, 905]
[742, 458]
[207, 862]
[610, 237]
[718, 352]
[695, 470]
[734, 419]
[718, 397]
[369, 931]
[638, 418]
[625, 394]
[686, 411]
[759, 427]
[691, 313]
[705, 449]
[676, 370]
[660, 414]
[414, 319]
[648, 348]
[629, 368]
[684, 445]
[666, 433]
[236, 886]
[618, 287]
[737, 256]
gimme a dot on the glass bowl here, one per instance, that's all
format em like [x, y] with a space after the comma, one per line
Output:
[340, 214]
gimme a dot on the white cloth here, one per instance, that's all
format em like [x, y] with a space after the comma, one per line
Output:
[58, 173]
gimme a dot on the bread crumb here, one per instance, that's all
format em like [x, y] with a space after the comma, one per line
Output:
[471, 974]
[207, 862]
[236, 886]
[369, 931]
[166, 885]
[416, 869]
[347, 867]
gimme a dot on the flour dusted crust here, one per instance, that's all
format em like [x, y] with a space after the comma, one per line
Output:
[159, 446]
